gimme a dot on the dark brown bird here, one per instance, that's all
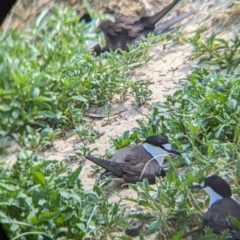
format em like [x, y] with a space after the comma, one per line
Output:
[3, 235]
[126, 30]
[5, 7]
[133, 163]
[222, 205]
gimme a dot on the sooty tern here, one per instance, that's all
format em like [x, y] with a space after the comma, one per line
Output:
[222, 205]
[126, 30]
[3, 235]
[133, 163]
[5, 8]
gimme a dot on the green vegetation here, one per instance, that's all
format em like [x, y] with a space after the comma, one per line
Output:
[48, 199]
[49, 79]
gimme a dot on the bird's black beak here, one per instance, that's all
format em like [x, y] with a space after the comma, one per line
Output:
[196, 186]
[174, 152]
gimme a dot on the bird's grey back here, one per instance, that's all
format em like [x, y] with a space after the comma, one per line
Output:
[136, 151]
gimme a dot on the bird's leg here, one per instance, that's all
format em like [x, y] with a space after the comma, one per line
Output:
[102, 175]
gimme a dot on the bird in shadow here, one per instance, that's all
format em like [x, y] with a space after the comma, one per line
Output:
[5, 8]
[3, 235]
[128, 30]
[135, 163]
[222, 205]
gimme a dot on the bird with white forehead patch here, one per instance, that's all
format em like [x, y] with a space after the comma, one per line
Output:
[222, 205]
[137, 162]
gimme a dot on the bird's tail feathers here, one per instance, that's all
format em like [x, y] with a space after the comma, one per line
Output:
[164, 12]
[115, 168]
[161, 28]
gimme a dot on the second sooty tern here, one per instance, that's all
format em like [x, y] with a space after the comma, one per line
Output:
[222, 206]
[127, 30]
[133, 163]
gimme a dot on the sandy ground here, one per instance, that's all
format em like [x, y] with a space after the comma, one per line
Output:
[213, 15]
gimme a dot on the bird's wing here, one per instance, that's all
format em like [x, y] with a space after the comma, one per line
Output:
[131, 165]
[214, 221]
[137, 168]
[129, 26]
[216, 217]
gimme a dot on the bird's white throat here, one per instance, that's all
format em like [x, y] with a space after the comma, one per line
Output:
[156, 152]
[214, 197]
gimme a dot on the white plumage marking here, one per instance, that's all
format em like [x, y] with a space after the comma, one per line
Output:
[157, 153]
[167, 146]
[214, 197]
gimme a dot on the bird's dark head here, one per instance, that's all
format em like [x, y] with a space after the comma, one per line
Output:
[216, 187]
[217, 184]
[161, 142]
[85, 17]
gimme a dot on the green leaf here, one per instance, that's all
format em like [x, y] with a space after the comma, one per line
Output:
[5, 107]
[36, 92]
[3, 215]
[8, 187]
[38, 178]
[115, 209]
[155, 226]
[49, 215]
[55, 199]
[81, 226]
[79, 98]
[64, 194]
[42, 99]
[235, 222]
[209, 237]
[178, 236]
[233, 103]
[74, 176]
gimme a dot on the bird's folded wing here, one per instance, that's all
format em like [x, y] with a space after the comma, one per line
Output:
[132, 27]
[213, 221]
[136, 171]
[218, 213]
[137, 165]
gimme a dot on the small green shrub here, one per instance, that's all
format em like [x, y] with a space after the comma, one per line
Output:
[48, 199]
[49, 77]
